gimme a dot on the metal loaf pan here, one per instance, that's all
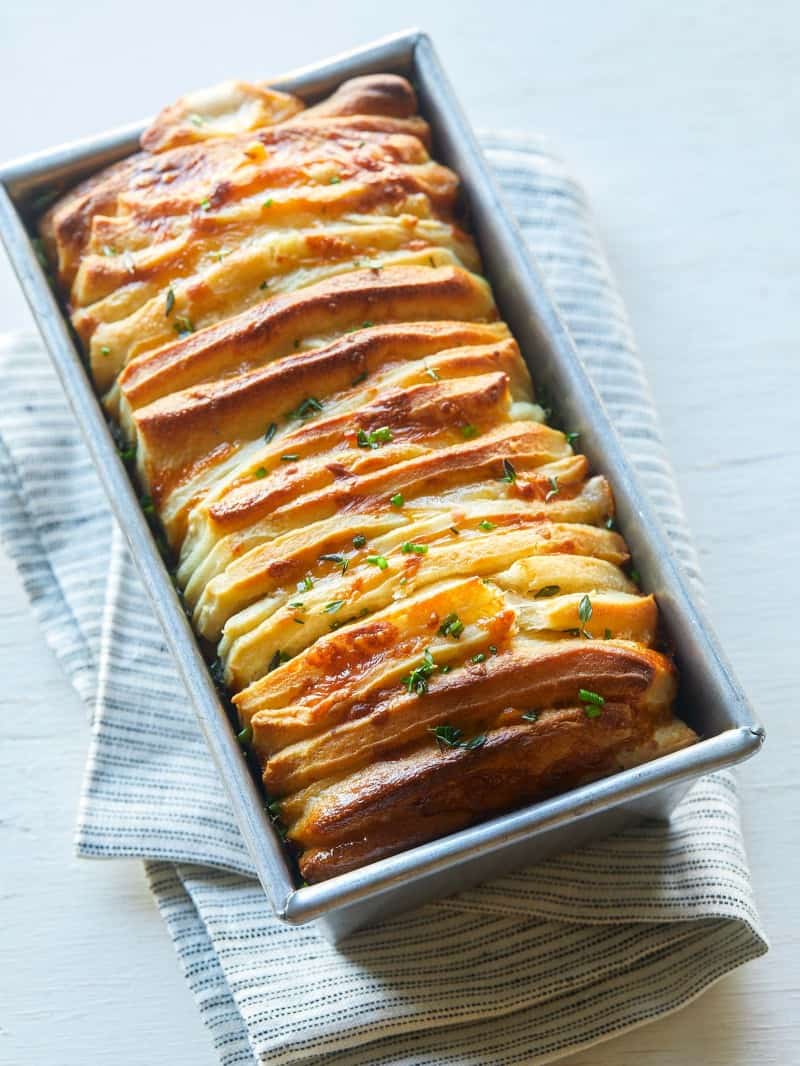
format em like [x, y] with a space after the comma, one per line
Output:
[710, 699]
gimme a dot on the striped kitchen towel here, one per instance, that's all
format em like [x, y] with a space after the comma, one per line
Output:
[522, 970]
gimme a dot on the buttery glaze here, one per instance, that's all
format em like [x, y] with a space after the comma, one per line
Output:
[420, 605]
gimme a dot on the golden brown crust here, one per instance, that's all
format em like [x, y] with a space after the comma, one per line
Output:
[420, 606]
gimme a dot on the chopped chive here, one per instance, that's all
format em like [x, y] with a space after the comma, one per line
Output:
[417, 680]
[554, 489]
[592, 712]
[270, 432]
[547, 590]
[585, 695]
[306, 584]
[469, 431]
[378, 560]
[335, 557]
[147, 505]
[451, 626]
[246, 736]
[268, 202]
[455, 532]
[297, 605]
[105, 350]
[397, 500]
[183, 326]
[449, 736]
[432, 374]
[417, 549]
[334, 180]
[607, 634]
[636, 577]
[290, 457]
[479, 658]
[585, 610]
[509, 473]
[333, 606]
[360, 378]
[359, 540]
[260, 472]
[309, 406]
[170, 303]
[610, 523]
[571, 438]
[277, 659]
[530, 716]
[486, 525]
[205, 204]
[264, 285]
[374, 438]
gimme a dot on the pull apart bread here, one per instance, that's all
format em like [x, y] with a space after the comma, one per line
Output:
[417, 599]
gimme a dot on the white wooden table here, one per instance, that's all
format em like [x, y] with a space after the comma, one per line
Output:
[682, 120]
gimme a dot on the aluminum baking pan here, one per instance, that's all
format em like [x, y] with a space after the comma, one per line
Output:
[710, 699]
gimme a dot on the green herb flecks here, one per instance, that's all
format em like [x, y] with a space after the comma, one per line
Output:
[277, 660]
[449, 736]
[170, 302]
[530, 716]
[359, 540]
[452, 626]
[336, 557]
[375, 438]
[333, 606]
[547, 590]
[469, 432]
[554, 489]
[260, 472]
[417, 680]
[397, 500]
[183, 326]
[509, 473]
[409, 548]
[592, 702]
[486, 525]
[378, 560]
[584, 614]
[246, 736]
[270, 432]
[308, 407]
[571, 438]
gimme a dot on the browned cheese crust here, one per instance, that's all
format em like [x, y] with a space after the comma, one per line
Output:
[423, 613]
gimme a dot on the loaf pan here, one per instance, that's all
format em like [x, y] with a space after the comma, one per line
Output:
[710, 699]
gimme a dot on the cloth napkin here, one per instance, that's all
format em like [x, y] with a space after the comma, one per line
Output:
[522, 970]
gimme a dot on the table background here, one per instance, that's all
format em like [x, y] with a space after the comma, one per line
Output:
[682, 120]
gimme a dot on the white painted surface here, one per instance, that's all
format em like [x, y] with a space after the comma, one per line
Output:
[682, 120]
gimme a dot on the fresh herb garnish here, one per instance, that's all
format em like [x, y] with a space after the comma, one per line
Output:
[571, 438]
[334, 180]
[449, 736]
[260, 472]
[205, 205]
[297, 605]
[378, 560]
[290, 457]
[452, 626]
[417, 680]
[361, 378]
[469, 431]
[509, 473]
[591, 711]
[610, 524]
[335, 557]
[183, 326]
[584, 613]
[432, 374]
[147, 505]
[455, 532]
[554, 489]
[277, 659]
[375, 438]
[264, 285]
[268, 202]
[585, 695]
[217, 671]
[410, 548]
[607, 634]
[333, 606]
[547, 590]
[306, 584]
[270, 432]
[479, 658]
[530, 716]
[170, 302]
[309, 406]
[197, 120]
[246, 736]
[105, 351]
[486, 525]
[359, 540]
[397, 500]
[636, 577]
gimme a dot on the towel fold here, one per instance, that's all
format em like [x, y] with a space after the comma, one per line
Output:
[522, 970]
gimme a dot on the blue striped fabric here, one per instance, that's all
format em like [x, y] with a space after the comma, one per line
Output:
[522, 970]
